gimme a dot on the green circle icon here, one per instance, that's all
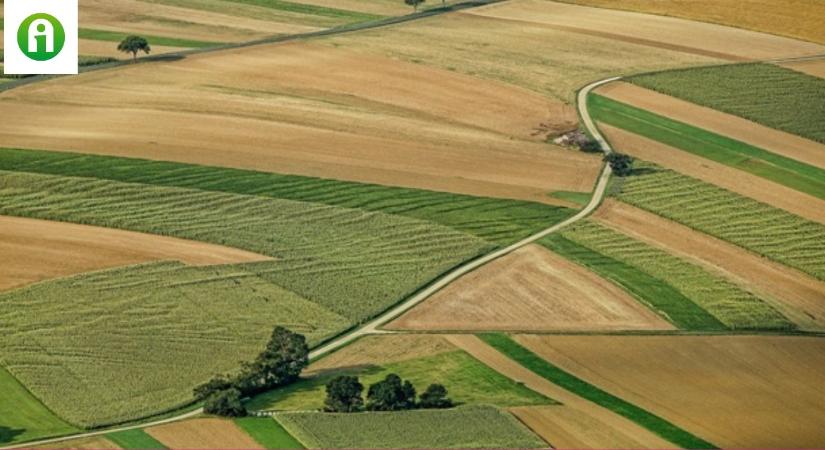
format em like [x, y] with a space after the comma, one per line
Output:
[41, 37]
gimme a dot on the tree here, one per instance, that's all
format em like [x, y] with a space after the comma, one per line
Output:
[435, 397]
[414, 3]
[391, 395]
[216, 384]
[133, 45]
[344, 395]
[226, 403]
[281, 362]
[621, 164]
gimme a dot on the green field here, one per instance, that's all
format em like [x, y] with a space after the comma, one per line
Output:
[725, 301]
[577, 198]
[764, 93]
[134, 439]
[779, 169]
[463, 427]
[497, 220]
[655, 424]
[467, 380]
[312, 10]
[114, 36]
[268, 432]
[760, 228]
[23, 417]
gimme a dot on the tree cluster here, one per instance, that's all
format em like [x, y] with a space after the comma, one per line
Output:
[344, 394]
[621, 164]
[285, 356]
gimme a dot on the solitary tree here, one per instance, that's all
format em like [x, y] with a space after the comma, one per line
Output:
[133, 45]
[344, 395]
[621, 164]
[226, 403]
[414, 3]
[391, 395]
[435, 397]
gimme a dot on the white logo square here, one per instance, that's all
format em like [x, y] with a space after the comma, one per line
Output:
[40, 37]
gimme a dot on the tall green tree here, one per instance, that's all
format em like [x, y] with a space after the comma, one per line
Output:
[226, 403]
[435, 397]
[133, 45]
[414, 3]
[344, 394]
[621, 164]
[391, 394]
[281, 363]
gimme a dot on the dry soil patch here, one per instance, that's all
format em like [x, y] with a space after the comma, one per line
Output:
[203, 434]
[814, 67]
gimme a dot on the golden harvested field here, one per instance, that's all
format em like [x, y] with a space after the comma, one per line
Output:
[42, 249]
[386, 349]
[775, 141]
[95, 443]
[573, 423]
[801, 19]
[310, 110]
[655, 31]
[814, 67]
[544, 59]
[202, 434]
[797, 295]
[735, 391]
[732, 179]
[531, 289]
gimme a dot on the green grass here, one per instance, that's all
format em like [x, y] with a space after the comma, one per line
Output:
[764, 93]
[268, 432]
[654, 292]
[464, 427]
[22, 416]
[576, 198]
[779, 169]
[134, 439]
[313, 10]
[497, 220]
[655, 424]
[725, 301]
[760, 228]
[467, 380]
[115, 36]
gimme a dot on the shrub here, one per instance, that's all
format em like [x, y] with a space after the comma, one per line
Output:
[621, 164]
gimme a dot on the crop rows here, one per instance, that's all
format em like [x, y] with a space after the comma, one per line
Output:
[764, 93]
[463, 427]
[731, 305]
[496, 220]
[760, 228]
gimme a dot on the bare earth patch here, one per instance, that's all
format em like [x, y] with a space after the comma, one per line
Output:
[570, 424]
[779, 142]
[41, 249]
[727, 177]
[531, 289]
[814, 67]
[735, 391]
[203, 434]
[665, 32]
[798, 296]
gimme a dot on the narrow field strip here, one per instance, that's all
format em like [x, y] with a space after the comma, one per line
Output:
[114, 36]
[656, 424]
[498, 220]
[760, 228]
[24, 417]
[134, 439]
[268, 432]
[309, 9]
[777, 168]
[764, 93]
[731, 305]
[207, 433]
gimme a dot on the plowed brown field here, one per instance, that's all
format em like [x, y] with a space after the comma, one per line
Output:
[310, 110]
[735, 180]
[665, 32]
[734, 391]
[531, 289]
[775, 141]
[41, 249]
[575, 423]
[203, 434]
[813, 67]
[799, 297]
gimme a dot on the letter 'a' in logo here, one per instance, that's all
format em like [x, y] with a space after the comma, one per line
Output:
[41, 37]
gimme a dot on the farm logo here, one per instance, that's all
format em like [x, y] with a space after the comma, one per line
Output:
[46, 35]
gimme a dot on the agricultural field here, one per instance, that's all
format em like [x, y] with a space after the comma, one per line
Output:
[462, 427]
[814, 67]
[209, 433]
[764, 93]
[735, 391]
[268, 433]
[531, 289]
[799, 19]
[422, 360]
[134, 439]
[760, 228]
[24, 417]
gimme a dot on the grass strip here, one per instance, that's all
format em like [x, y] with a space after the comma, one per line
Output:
[643, 418]
[655, 293]
[777, 168]
[313, 10]
[116, 36]
[268, 432]
[134, 439]
[23, 417]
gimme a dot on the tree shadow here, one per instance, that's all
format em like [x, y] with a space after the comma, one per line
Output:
[8, 434]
